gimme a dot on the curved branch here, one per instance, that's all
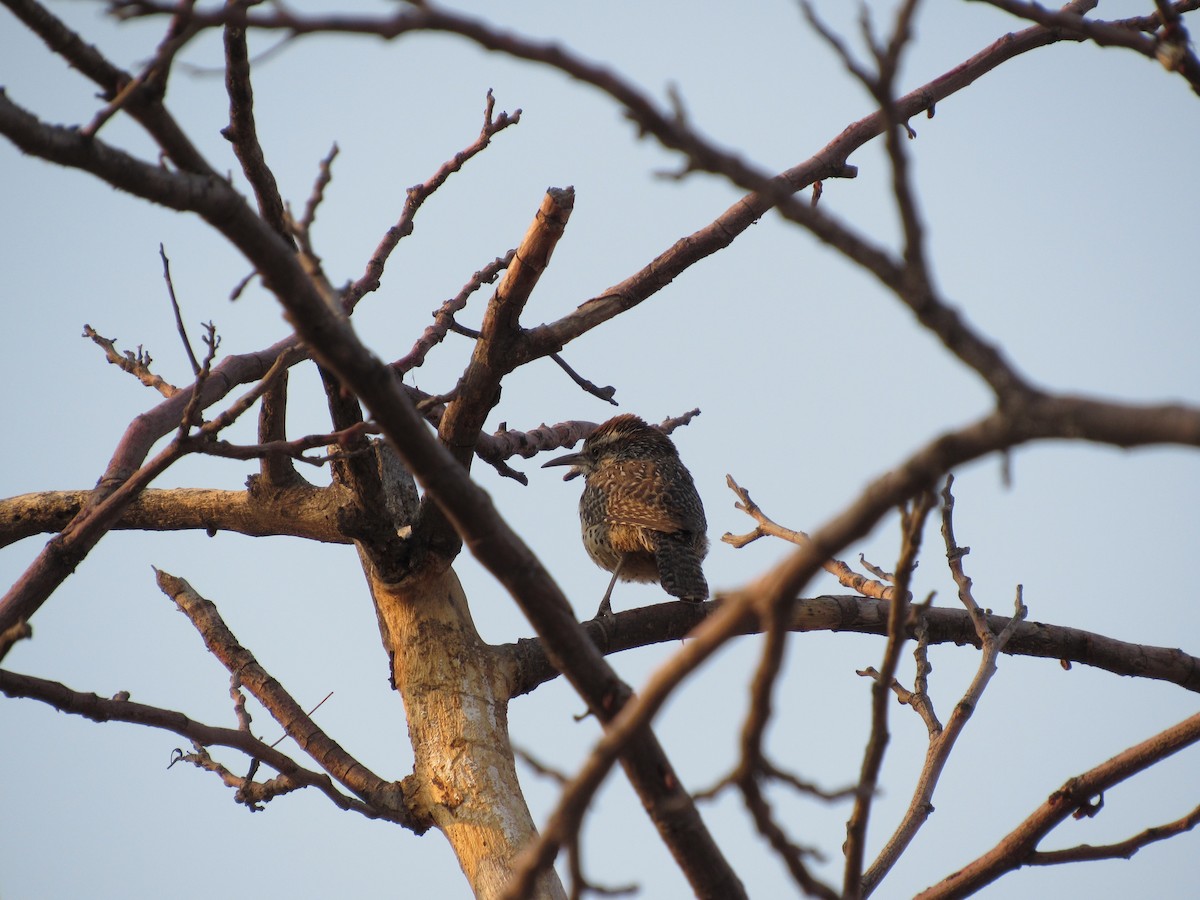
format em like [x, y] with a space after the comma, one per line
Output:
[143, 103]
[1169, 47]
[1121, 850]
[1075, 798]
[672, 131]
[100, 709]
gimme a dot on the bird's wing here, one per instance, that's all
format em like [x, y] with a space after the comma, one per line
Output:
[638, 495]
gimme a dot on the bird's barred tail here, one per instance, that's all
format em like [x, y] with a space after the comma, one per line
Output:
[679, 567]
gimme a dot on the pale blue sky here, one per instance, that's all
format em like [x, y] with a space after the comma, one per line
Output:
[1060, 196]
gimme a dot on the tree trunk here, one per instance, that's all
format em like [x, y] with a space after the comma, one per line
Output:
[455, 695]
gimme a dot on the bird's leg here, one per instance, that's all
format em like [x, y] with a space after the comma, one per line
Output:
[605, 606]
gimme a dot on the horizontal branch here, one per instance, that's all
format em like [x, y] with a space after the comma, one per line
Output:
[298, 511]
[669, 622]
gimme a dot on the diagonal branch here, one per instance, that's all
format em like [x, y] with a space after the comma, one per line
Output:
[752, 762]
[143, 104]
[1169, 46]
[1121, 850]
[1074, 798]
[942, 740]
[846, 576]
[153, 76]
[127, 476]
[242, 131]
[179, 326]
[418, 194]
[99, 709]
[136, 364]
[499, 350]
[443, 319]
[912, 527]
[673, 132]
[327, 753]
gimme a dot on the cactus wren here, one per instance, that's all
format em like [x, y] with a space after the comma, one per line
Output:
[642, 518]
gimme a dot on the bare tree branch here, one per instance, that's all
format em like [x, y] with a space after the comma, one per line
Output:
[912, 527]
[456, 508]
[125, 478]
[300, 510]
[242, 132]
[418, 194]
[751, 761]
[1169, 46]
[1076, 797]
[1122, 849]
[136, 364]
[846, 576]
[143, 104]
[443, 319]
[183, 335]
[326, 752]
[674, 133]
[499, 351]
[154, 74]
[943, 740]
[671, 622]
[121, 709]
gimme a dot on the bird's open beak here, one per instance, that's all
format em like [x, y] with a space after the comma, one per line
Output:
[570, 459]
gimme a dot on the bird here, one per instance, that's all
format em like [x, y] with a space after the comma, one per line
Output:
[640, 514]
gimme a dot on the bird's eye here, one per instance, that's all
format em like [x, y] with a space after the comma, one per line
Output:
[593, 451]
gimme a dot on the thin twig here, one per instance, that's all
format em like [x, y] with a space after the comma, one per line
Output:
[187, 344]
[369, 281]
[284, 736]
[604, 393]
[136, 364]
[311, 738]
[122, 709]
[324, 176]
[912, 526]
[1122, 849]
[766, 526]
[943, 740]
[750, 764]
[154, 73]
[443, 318]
